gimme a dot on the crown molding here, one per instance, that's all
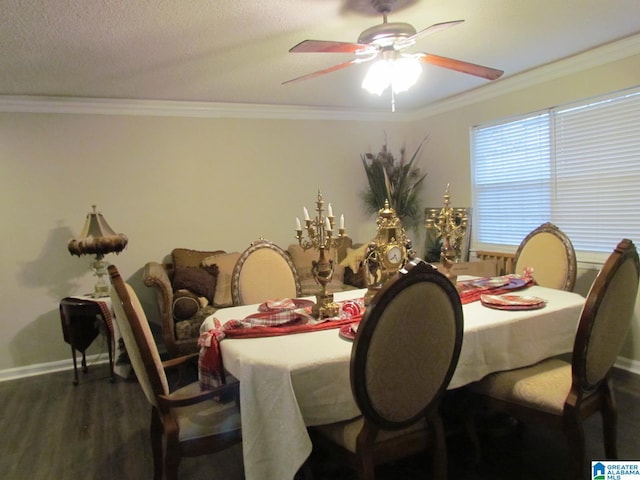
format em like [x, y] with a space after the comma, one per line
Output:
[608, 53]
[611, 52]
[161, 108]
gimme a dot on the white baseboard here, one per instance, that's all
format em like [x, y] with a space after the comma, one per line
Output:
[632, 366]
[50, 367]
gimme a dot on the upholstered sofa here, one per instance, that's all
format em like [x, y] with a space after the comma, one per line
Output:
[194, 284]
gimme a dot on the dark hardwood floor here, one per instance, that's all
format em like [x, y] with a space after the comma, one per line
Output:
[99, 430]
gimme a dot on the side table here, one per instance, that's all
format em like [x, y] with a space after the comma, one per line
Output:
[82, 318]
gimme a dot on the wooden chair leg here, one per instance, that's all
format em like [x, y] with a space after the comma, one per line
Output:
[366, 467]
[75, 366]
[439, 448]
[364, 452]
[471, 429]
[610, 423]
[156, 444]
[574, 433]
[170, 453]
[305, 472]
[110, 349]
[84, 362]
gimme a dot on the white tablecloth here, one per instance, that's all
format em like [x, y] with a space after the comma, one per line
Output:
[293, 381]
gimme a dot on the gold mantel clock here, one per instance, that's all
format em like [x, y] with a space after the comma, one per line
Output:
[387, 252]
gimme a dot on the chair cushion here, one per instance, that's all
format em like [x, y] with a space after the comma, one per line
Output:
[345, 433]
[225, 263]
[204, 418]
[543, 386]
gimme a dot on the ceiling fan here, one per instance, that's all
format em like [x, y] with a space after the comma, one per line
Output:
[385, 42]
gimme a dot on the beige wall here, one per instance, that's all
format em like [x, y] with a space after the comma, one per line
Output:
[209, 183]
[165, 182]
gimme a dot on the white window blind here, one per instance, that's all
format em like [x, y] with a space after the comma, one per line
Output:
[577, 166]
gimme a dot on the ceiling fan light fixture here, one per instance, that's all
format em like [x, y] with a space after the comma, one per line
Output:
[378, 77]
[400, 73]
[405, 74]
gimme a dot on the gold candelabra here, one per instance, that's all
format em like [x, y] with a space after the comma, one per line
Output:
[449, 224]
[320, 236]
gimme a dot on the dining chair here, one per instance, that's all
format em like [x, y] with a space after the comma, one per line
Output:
[549, 251]
[187, 421]
[404, 354]
[560, 394]
[263, 271]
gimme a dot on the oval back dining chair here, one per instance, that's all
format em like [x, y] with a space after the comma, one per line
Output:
[405, 352]
[263, 271]
[185, 422]
[549, 252]
[561, 394]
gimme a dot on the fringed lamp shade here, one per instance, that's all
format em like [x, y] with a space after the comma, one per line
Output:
[97, 238]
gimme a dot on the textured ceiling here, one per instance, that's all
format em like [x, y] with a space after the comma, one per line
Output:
[236, 51]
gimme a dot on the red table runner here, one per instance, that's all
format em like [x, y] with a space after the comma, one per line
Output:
[286, 318]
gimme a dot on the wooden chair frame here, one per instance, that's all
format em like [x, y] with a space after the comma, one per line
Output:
[591, 384]
[369, 452]
[166, 445]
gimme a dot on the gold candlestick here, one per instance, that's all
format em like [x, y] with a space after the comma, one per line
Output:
[449, 224]
[320, 236]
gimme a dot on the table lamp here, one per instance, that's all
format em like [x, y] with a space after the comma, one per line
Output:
[98, 238]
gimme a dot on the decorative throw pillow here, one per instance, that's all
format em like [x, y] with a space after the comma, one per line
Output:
[354, 258]
[185, 305]
[186, 257]
[196, 280]
[225, 263]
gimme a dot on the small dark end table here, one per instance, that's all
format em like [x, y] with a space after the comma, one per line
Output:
[81, 319]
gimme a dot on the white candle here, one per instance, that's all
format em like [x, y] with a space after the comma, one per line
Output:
[306, 213]
[298, 227]
[330, 210]
[342, 221]
[327, 224]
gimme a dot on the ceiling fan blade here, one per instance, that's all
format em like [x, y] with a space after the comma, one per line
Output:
[460, 66]
[328, 46]
[436, 27]
[326, 70]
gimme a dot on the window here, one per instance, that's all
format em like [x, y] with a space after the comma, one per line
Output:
[577, 166]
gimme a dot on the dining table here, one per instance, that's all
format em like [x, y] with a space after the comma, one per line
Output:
[291, 382]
